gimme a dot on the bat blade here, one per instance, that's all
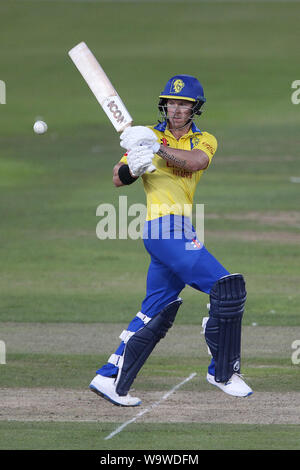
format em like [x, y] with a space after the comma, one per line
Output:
[101, 86]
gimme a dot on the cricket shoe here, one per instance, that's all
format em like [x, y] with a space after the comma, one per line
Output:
[105, 387]
[235, 386]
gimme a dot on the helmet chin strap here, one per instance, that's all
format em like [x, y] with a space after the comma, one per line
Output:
[188, 122]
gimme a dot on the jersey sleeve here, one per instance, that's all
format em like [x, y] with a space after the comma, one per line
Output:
[208, 144]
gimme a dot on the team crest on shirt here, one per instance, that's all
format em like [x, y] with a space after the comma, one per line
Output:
[177, 86]
[195, 141]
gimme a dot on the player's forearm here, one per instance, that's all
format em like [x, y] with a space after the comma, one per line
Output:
[120, 177]
[191, 160]
[116, 179]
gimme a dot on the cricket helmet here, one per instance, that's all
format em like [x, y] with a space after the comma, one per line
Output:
[183, 87]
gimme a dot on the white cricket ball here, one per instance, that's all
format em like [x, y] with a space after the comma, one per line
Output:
[40, 127]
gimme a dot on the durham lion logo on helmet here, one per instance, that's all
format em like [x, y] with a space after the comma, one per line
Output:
[177, 86]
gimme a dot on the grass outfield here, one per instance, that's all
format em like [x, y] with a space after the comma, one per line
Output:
[90, 436]
[60, 284]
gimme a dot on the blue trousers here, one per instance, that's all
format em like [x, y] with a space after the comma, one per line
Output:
[177, 259]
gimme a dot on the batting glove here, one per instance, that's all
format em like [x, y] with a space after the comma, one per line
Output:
[139, 135]
[139, 160]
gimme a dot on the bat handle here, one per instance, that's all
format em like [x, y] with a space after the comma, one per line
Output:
[129, 124]
[151, 168]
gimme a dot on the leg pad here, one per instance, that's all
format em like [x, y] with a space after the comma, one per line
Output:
[141, 344]
[223, 329]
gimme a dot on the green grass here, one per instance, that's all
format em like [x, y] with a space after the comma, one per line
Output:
[75, 371]
[53, 267]
[196, 436]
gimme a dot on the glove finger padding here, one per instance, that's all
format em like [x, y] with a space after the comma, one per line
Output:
[137, 135]
[139, 159]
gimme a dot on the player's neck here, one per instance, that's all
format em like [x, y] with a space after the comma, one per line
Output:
[178, 133]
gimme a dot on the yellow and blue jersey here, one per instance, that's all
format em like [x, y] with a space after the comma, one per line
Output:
[170, 190]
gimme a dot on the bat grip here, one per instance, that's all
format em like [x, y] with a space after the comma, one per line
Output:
[151, 168]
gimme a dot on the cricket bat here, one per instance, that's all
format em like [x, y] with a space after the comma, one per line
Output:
[102, 88]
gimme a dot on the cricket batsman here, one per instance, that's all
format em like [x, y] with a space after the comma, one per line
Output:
[181, 153]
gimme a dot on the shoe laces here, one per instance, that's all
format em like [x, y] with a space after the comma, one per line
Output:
[235, 374]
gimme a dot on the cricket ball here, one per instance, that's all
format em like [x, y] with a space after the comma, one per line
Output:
[40, 127]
